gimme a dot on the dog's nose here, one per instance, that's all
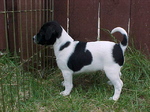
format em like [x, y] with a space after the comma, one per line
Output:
[33, 37]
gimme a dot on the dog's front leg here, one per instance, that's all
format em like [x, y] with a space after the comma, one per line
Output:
[67, 83]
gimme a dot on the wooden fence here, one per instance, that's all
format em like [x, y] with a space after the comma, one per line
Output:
[20, 21]
[83, 16]
[85, 20]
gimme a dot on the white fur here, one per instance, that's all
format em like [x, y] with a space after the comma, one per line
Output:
[122, 31]
[102, 60]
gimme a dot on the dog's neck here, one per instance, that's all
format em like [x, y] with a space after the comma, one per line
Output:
[61, 41]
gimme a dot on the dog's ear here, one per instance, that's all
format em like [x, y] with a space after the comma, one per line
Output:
[50, 32]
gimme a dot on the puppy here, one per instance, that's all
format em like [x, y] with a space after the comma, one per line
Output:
[76, 57]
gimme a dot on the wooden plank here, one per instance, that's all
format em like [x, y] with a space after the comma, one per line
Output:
[140, 24]
[114, 13]
[83, 19]
[13, 42]
[2, 33]
[2, 27]
[29, 23]
[60, 12]
[24, 28]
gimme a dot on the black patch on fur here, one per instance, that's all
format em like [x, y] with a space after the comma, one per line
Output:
[48, 33]
[124, 41]
[64, 46]
[80, 57]
[118, 54]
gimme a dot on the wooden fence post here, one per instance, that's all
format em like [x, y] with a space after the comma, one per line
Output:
[2, 27]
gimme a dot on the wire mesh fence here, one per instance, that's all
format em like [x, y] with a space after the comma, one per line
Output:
[21, 20]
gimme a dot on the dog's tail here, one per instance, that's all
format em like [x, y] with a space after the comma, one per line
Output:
[124, 42]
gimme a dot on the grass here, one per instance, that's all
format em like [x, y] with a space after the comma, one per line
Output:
[22, 91]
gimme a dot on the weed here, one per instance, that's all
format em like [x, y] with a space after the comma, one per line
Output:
[21, 91]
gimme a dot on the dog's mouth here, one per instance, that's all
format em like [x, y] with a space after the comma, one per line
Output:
[37, 41]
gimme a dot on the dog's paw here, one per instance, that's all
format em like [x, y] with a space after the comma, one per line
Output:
[112, 98]
[110, 83]
[64, 93]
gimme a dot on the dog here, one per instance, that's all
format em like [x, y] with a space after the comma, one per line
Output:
[75, 56]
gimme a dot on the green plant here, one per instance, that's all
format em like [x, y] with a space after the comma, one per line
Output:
[21, 91]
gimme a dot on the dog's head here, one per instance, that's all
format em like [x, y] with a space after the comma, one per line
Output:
[48, 33]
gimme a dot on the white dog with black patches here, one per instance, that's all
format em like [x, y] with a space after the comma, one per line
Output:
[76, 57]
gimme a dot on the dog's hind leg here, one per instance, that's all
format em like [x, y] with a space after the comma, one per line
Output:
[67, 83]
[114, 77]
[110, 83]
[118, 87]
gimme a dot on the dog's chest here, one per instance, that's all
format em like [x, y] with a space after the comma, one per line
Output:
[73, 56]
[62, 56]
